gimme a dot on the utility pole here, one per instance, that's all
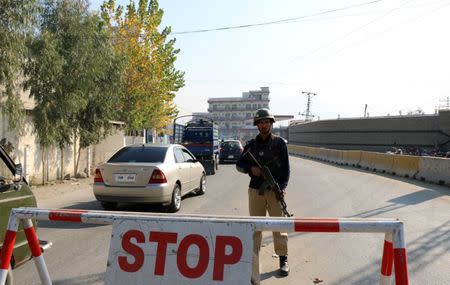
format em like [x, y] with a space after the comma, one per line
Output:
[308, 114]
[446, 104]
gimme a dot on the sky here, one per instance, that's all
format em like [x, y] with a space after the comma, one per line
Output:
[391, 55]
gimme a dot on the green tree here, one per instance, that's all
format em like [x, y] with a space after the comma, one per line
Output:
[149, 80]
[17, 19]
[72, 73]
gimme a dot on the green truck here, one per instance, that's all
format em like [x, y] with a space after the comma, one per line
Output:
[14, 193]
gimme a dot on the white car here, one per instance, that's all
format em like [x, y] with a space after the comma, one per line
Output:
[149, 173]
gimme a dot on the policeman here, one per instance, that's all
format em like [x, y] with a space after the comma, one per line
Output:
[271, 151]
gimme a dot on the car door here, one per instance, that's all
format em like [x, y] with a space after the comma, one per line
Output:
[183, 170]
[13, 195]
[194, 178]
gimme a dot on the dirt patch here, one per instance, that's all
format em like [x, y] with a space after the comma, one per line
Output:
[54, 189]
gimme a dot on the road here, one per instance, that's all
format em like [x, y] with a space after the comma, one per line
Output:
[316, 189]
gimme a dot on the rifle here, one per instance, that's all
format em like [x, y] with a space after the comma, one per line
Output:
[269, 183]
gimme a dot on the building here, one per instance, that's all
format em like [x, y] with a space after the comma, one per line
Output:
[234, 115]
[416, 134]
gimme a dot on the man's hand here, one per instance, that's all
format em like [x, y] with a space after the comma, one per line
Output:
[256, 171]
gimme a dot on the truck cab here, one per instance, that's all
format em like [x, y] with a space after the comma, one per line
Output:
[201, 137]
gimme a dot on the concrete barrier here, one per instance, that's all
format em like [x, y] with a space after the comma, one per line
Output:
[434, 169]
[380, 162]
[405, 165]
[351, 157]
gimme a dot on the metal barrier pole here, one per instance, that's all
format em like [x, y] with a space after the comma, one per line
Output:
[388, 259]
[33, 243]
[400, 260]
[394, 248]
[8, 246]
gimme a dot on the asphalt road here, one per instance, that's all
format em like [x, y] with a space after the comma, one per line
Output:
[316, 189]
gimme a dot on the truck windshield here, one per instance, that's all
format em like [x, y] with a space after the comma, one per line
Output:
[198, 136]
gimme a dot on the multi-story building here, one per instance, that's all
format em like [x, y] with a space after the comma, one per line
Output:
[235, 114]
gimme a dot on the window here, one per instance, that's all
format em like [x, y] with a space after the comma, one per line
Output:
[179, 157]
[187, 156]
[139, 154]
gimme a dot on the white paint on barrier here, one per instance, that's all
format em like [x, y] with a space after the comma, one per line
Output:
[434, 169]
[179, 252]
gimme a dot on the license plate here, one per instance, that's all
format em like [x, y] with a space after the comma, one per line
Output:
[125, 177]
[231, 156]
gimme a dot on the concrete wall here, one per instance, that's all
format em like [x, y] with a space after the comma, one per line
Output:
[375, 134]
[38, 163]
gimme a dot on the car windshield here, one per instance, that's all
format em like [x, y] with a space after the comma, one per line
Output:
[230, 145]
[139, 154]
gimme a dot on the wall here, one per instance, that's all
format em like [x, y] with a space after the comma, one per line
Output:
[38, 163]
[375, 134]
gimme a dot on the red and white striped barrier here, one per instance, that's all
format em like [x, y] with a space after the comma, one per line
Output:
[394, 252]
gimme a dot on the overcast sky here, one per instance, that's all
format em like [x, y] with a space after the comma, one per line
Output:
[392, 55]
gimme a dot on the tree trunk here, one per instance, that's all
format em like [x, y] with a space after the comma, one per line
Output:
[43, 165]
[75, 160]
[62, 163]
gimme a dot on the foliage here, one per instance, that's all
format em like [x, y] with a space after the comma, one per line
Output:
[149, 80]
[72, 73]
[17, 19]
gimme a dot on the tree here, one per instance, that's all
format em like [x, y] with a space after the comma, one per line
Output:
[149, 80]
[72, 72]
[17, 19]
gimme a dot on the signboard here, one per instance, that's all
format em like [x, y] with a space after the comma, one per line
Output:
[180, 252]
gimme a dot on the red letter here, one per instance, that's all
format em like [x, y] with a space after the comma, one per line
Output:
[132, 249]
[162, 239]
[221, 259]
[203, 258]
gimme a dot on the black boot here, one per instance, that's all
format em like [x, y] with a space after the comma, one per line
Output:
[284, 266]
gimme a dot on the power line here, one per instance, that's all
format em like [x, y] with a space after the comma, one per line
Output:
[276, 21]
[350, 33]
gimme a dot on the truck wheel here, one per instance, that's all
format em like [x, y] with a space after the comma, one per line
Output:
[9, 277]
[213, 168]
[175, 205]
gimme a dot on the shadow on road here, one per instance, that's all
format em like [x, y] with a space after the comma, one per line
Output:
[421, 253]
[415, 198]
[97, 278]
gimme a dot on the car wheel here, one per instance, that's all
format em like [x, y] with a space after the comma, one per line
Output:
[175, 205]
[109, 205]
[9, 277]
[202, 187]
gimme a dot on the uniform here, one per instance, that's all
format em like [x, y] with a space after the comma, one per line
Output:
[272, 152]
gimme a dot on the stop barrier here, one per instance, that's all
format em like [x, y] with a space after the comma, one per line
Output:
[230, 248]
